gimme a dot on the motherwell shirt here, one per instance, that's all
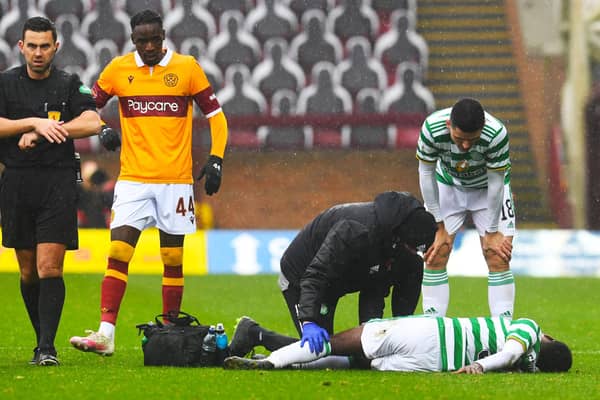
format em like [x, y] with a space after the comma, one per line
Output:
[155, 108]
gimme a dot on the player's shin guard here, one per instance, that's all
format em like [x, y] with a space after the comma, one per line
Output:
[172, 282]
[501, 293]
[115, 280]
[436, 292]
[293, 354]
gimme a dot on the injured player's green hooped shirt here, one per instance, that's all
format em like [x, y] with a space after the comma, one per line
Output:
[458, 168]
[466, 340]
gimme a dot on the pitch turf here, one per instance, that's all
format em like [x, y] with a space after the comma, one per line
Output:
[565, 308]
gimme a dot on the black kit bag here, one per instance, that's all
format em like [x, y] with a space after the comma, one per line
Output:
[177, 343]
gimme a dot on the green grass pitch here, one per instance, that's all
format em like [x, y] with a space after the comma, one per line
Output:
[565, 308]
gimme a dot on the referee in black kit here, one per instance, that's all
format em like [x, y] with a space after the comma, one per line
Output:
[42, 110]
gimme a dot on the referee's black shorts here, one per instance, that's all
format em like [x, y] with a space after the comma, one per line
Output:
[39, 205]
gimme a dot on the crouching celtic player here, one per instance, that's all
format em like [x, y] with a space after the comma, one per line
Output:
[421, 343]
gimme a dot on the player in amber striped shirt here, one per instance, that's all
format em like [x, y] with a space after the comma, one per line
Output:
[155, 88]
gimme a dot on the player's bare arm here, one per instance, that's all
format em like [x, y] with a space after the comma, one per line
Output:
[52, 130]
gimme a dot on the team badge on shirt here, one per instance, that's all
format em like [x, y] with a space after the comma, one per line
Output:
[462, 165]
[171, 80]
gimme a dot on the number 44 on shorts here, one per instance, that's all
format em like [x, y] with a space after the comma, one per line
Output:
[182, 209]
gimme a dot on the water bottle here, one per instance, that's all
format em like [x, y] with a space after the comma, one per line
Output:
[209, 348]
[221, 337]
[222, 350]
[144, 338]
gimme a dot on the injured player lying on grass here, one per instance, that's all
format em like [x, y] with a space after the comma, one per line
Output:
[415, 343]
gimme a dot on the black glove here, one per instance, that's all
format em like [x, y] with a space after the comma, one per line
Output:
[213, 171]
[109, 138]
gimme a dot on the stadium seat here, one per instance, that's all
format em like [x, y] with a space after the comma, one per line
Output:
[408, 94]
[188, 19]
[104, 51]
[163, 7]
[314, 44]
[360, 70]
[4, 6]
[233, 45]
[299, 7]
[277, 70]
[353, 18]
[385, 8]
[106, 22]
[325, 96]
[196, 48]
[283, 137]
[74, 48]
[239, 97]
[271, 19]
[218, 7]
[401, 43]
[11, 26]
[389, 6]
[55, 8]
[6, 57]
[368, 136]
[404, 137]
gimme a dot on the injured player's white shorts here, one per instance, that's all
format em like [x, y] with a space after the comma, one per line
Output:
[402, 344]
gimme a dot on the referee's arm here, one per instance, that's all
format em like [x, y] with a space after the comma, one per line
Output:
[53, 131]
[88, 123]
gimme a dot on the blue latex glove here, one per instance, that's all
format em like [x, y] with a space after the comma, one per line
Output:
[315, 336]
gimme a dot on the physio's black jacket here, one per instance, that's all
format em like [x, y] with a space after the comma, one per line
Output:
[349, 248]
[60, 96]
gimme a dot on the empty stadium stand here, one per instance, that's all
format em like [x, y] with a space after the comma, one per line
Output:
[310, 74]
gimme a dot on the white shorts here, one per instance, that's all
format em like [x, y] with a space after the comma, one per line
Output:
[456, 202]
[402, 344]
[168, 206]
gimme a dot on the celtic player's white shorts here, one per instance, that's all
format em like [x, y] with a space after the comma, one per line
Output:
[168, 206]
[456, 202]
[402, 344]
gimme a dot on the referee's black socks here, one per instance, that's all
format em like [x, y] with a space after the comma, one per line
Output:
[52, 298]
[31, 297]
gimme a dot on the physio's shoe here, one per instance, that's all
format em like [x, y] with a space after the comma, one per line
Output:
[47, 360]
[242, 342]
[246, 363]
[94, 342]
